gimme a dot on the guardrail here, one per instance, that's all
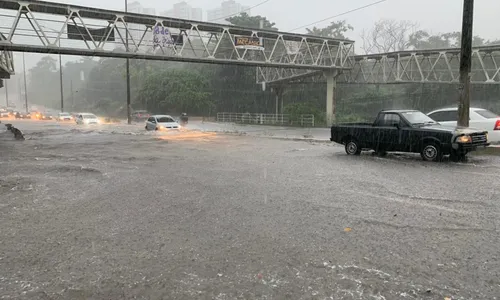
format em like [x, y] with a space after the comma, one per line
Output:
[305, 120]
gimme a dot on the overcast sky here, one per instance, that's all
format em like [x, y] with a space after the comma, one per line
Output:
[433, 15]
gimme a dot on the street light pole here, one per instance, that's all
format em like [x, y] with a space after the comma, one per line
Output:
[25, 85]
[465, 63]
[61, 78]
[129, 117]
[6, 93]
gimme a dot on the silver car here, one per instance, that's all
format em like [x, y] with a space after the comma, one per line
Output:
[87, 118]
[161, 122]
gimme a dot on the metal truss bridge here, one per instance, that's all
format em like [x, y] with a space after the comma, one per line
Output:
[46, 27]
[424, 66]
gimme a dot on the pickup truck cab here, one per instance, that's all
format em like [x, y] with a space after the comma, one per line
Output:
[409, 131]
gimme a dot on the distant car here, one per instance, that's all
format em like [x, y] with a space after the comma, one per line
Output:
[480, 118]
[4, 113]
[140, 115]
[20, 115]
[64, 117]
[161, 122]
[87, 118]
[46, 116]
[36, 115]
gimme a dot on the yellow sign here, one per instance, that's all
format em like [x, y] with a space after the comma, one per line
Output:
[250, 42]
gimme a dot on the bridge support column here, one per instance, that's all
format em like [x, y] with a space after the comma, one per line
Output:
[278, 96]
[331, 86]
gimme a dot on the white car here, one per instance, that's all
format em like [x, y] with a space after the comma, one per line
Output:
[161, 122]
[4, 113]
[87, 118]
[64, 117]
[479, 119]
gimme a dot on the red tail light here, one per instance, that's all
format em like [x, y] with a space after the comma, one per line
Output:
[497, 125]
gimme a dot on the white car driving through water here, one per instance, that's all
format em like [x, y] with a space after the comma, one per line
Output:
[86, 118]
[161, 122]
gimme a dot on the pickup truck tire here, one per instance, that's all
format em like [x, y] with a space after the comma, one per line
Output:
[352, 147]
[431, 152]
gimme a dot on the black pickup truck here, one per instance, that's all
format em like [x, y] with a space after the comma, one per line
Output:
[408, 131]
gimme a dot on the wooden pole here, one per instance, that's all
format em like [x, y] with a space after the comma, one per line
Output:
[465, 64]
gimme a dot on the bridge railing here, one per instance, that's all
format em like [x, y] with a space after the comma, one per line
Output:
[305, 120]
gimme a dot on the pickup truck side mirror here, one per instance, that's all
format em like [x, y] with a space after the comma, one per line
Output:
[396, 125]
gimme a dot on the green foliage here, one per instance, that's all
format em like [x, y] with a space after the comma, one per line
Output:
[43, 83]
[244, 20]
[424, 40]
[177, 91]
[297, 109]
[336, 29]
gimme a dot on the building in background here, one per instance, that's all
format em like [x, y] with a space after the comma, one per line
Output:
[227, 8]
[182, 10]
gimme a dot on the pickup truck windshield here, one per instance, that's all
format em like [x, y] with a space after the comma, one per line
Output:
[417, 118]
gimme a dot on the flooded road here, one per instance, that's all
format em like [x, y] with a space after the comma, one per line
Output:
[114, 212]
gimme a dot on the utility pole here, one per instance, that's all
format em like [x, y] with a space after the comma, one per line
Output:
[61, 79]
[25, 86]
[465, 63]
[129, 117]
[6, 93]
[72, 95]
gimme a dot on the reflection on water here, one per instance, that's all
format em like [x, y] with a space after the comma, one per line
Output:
[185, 134]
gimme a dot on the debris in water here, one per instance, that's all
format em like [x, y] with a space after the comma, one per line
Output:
[347, 229]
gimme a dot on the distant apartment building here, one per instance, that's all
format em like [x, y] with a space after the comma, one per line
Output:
[182, 10]
[227, 9]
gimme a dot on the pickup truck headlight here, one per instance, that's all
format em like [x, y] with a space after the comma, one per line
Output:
[464, 139]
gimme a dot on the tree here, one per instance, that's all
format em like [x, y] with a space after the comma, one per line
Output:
[388, 36]
[44, 83]
[177, 90]
[244, 20]
[336, 29]
[421, 40]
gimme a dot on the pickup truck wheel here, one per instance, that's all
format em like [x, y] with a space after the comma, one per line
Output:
[352, 148]
[431, 152]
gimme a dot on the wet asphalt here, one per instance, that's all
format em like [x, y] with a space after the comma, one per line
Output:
[113, 212]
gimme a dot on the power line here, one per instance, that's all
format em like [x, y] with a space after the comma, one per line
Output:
[344, 13]
[245, 10]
